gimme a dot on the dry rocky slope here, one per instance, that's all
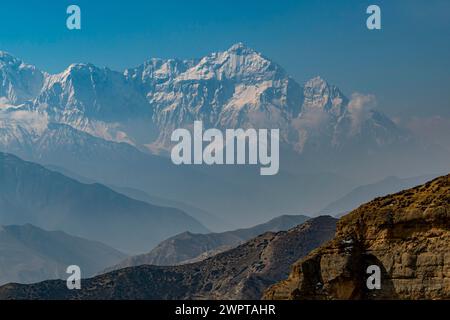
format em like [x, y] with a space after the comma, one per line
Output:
[241, 273]
[406, 234]
[192, 247]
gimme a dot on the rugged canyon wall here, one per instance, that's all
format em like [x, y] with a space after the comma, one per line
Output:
[406, 234]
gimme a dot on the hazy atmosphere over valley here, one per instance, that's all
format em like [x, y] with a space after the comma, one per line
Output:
[358, 123]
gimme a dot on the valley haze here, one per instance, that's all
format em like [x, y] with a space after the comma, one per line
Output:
[115, 128]
[211, 150]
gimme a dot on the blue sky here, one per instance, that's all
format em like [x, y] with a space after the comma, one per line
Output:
[405, 65]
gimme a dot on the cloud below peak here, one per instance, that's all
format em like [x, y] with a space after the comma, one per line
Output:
[359, 108]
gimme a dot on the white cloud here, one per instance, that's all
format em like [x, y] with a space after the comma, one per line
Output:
[31, 120]
[313, 119]
[359, 108]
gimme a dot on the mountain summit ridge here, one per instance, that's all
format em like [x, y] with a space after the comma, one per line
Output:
[234, 88]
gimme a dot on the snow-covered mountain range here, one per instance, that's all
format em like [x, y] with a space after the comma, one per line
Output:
[114, 128]
[236, 88]
[19, 82]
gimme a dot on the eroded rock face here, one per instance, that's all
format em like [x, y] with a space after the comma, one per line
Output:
[407, 235]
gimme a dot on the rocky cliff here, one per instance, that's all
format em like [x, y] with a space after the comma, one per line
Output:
[407, 235]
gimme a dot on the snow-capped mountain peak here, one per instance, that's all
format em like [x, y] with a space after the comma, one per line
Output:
[321, 95]
[19, 82]
[7, 58]
[240, 48]
[97, 93]
[238, 63]
[157, 71]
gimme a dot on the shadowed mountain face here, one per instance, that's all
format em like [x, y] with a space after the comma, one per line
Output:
[120, 164]
[29, 254]
[240, 273]
[210, 221]
[189, 247]
[29, 193]
[407, 235]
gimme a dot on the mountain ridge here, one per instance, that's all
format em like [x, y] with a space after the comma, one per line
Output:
[365, 193]
[29, 254]
[240, 273]
[189, 247]
[114, 127]
[237, 87]
[30, 193]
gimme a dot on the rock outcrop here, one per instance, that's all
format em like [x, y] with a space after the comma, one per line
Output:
[407, 235]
